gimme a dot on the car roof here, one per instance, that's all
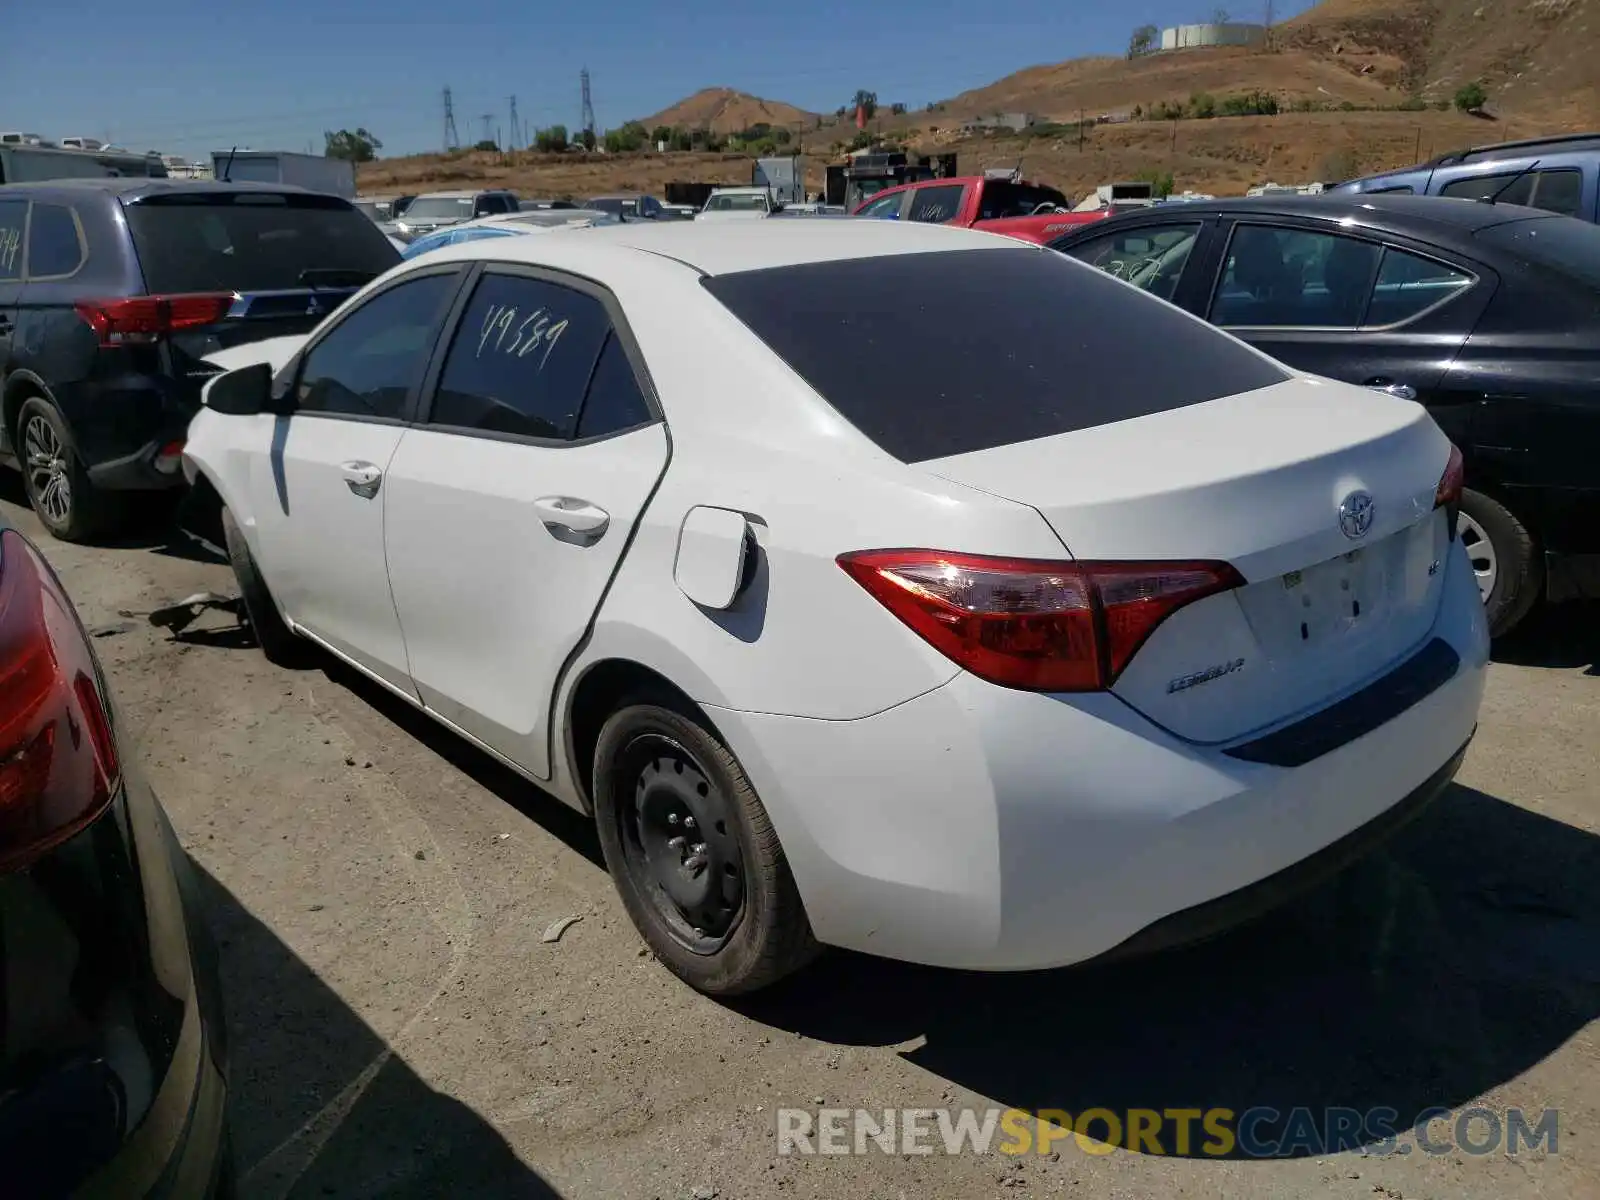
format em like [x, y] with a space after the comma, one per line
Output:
[718, 248]
[1390, 213]
[140, 185]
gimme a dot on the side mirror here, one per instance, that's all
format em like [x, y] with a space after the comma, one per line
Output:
[244, 392]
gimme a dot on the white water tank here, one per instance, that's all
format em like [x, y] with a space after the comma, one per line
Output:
[1234, 33]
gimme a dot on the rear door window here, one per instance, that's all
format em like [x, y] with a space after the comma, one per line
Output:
[936, 205]
[1281, 276]
[1409, 284]
[521, 359]
[936, 354]
[55, 247]
[1000, 198]
[254, 242]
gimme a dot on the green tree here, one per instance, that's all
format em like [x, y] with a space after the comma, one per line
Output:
[782, 136]
[358, 146]
[1142, 40]
[1161, 182]
[486, 144]
[552, 140]
[866, 101]
[1471, 98]
[587, 138]
[1203, 105]
[661, 133]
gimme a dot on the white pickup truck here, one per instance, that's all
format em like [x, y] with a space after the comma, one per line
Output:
[738, 203]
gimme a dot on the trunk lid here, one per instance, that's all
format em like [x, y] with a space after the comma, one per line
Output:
[1268, 481]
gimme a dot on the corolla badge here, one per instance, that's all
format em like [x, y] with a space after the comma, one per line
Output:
[1355, 514]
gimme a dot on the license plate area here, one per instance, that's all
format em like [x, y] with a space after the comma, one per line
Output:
[1335, 597]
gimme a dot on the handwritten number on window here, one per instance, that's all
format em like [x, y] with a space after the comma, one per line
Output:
[503, 333]
[10, 246]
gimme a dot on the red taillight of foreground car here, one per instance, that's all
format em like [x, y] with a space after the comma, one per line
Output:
[1448, 494]
[1027, 623]
[58, 762]
[139, 320]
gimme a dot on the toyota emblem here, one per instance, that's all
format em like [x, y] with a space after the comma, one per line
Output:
[1355, 515]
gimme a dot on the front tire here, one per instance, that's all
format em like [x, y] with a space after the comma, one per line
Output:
[277, 641]
[57, 485]
[693, 853]
[1505, 560]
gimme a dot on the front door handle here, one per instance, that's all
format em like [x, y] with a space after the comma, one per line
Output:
[576, 516]
[363, 478]
[1401, 391]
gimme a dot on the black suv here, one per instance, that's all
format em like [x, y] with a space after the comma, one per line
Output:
[112, 294]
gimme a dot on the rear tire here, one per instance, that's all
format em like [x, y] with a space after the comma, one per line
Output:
[1505, 559]
[661, 777]
[57, 485]
[277, 641]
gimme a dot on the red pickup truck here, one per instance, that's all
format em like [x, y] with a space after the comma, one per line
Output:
[1029, 211]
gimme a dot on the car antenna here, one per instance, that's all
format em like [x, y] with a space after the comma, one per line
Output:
[227, 167]
[1508, 184]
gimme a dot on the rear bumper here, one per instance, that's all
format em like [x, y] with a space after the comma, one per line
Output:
[984, 828]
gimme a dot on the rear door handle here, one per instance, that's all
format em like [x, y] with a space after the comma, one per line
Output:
[1402, 391]
[363, 478]
[577, 516]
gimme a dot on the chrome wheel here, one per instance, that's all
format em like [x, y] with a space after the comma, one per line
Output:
[49, 481]
[1480, 553]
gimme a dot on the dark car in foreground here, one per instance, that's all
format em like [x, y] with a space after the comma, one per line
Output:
[112, 294]
[113, 1067]
[1486, 313]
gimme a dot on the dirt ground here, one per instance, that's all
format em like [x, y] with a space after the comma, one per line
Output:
[399, 1028]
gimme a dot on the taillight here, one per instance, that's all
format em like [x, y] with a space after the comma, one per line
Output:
[58, 761]
[169, 458]
[139, 320]
[1028, 623]
[1448, 494]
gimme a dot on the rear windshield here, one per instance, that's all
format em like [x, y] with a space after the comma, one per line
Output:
[254, 242]
[931, 355]
[1563, 244]
[440, 208]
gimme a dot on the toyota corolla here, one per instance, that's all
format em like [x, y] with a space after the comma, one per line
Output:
[912, 590]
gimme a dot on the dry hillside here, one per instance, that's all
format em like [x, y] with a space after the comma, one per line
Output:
[723, 110]
[1539, 60]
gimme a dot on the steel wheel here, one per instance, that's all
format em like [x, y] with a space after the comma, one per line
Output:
[1480, 553]
[679, 844]
[48, 470]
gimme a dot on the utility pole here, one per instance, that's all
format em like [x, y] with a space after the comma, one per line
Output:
[452, 139]
[518, 139]
[1080, 131]
[1417, 157]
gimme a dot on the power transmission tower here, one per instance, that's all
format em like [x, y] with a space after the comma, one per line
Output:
[486, 118]
[588, 103]
[452, 139]
[517, 137]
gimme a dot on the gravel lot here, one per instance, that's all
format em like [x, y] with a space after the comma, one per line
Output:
[400, 1028]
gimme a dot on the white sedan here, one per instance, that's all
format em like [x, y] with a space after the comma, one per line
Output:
[901, 588]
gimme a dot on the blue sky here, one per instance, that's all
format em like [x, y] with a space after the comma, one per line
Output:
[191, 76]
